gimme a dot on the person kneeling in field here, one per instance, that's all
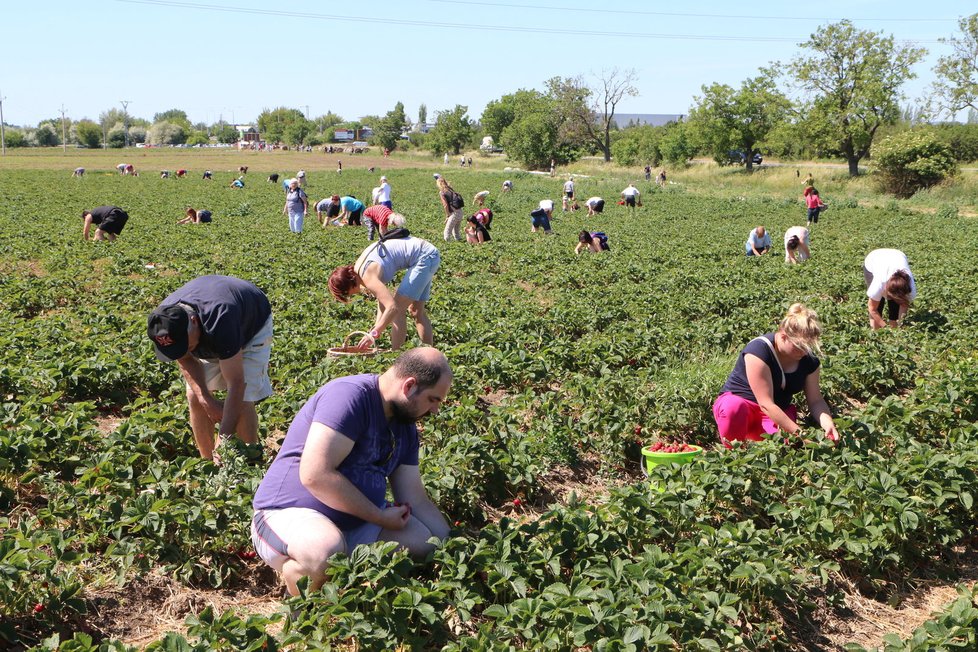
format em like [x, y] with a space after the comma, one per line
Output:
[595, 242]
[478, 230]
[758, 242]
[594, 205]
[196, 217]
[796, 245]
[756, 399]
[375, 268]
[325, 492]
[108, 220]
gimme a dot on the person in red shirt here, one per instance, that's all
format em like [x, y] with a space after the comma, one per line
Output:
[380, 218]
[814, 203]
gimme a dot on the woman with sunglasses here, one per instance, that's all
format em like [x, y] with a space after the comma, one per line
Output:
[376, 268]
[770, 370]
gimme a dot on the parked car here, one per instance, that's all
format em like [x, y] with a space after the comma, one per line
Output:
[740, 157]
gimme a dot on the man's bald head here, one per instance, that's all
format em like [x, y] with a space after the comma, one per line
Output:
[427, 365]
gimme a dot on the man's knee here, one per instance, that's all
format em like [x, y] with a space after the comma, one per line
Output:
[314, 559]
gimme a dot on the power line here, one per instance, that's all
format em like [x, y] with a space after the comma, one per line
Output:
[687, 15]
[475, 27]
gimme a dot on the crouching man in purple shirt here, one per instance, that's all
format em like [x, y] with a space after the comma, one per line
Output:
[326, 490]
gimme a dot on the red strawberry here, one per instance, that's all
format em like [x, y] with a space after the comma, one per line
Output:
[637, 430]
[38, 608]
[517, 502]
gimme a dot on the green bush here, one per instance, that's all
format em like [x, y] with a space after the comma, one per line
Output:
[947, 211]
[911, 161]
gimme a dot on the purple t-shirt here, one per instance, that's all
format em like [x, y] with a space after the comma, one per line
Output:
[351, 406]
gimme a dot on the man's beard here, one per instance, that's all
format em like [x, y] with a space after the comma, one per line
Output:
[402, 412]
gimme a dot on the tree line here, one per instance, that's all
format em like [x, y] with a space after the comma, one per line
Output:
[834, 99]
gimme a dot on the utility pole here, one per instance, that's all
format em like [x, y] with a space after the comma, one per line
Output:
[64, 133]
[307, 112]
[125, 118]
[3, 138]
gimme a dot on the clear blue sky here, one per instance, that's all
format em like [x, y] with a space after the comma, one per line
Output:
[232, 58]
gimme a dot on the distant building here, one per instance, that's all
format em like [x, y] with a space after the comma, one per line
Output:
[422, 127]
[652, 119]
[248, 133]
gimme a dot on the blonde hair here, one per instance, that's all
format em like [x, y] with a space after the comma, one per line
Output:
[802, 327]
[396, 220]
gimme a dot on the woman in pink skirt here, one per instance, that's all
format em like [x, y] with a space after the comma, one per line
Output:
[770, 370]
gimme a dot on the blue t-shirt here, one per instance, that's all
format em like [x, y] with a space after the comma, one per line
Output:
[351, 204]
[231, 312]
[794, 381]
[351, 406]
[204, 216]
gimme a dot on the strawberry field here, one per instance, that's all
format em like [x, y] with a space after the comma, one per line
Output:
[564, 367]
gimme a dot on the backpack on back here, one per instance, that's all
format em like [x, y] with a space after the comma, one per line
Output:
[455, 201]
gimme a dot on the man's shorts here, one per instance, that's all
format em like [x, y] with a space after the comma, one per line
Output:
[272, 529]
[416, 284]
[114, 223]
[629, 200]
[598, 206]
[256, 354]
[539, 218]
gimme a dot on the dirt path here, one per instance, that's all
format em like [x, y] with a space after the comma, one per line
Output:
[866, 621]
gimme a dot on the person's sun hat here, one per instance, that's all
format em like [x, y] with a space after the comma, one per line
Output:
[167, 327]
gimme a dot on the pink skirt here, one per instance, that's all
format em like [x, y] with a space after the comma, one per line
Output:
[739, 419]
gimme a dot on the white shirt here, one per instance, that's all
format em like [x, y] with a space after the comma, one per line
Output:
[631, 191]
[592, 201]
[547, 204]
[759, 242]
[375, 196]
[568, 186]
[802, 234]
[882, 263]
[385, 192]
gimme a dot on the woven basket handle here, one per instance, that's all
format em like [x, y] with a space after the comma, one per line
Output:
[346, 340]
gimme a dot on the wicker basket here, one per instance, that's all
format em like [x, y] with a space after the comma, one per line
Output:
[352, 350]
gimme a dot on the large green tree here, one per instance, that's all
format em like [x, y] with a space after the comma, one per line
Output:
[167, 133]
[501, 113]
[532, 129]
[957, 74]
[725, 118]
[387, 130]
[453, 130]
[176, 116]
[589, 109]
[276, 125]
[327, 120]
[88, 134]
[852, 79]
